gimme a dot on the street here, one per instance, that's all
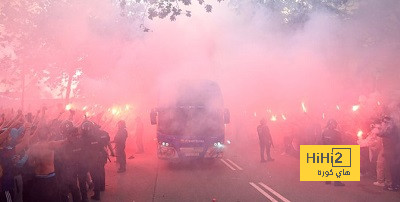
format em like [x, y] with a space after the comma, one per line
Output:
[222, 79]
[238, 176]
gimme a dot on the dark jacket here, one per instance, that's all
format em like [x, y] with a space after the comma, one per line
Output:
[331, 137]
[6, 162]
[120, 138]
[389, 138]
[264, 135]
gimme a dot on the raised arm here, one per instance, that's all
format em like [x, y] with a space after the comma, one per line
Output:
[12, 121]
[4, 135]
[3, 120]
[28, 134]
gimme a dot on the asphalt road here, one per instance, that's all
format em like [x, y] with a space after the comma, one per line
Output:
[238, 176]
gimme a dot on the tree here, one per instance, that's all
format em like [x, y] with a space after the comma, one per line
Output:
[33, 41]
[295, 13]
[161, 8]
[17, 27]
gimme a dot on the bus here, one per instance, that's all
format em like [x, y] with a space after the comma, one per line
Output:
[190, 119]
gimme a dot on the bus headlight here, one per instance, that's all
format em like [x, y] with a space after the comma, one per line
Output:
[218, 145]
[165, 144]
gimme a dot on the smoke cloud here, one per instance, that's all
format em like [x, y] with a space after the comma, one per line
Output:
[260, 62]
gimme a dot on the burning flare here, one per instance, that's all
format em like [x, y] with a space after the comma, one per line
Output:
[115, 111]
[304, 107]
[68, 107]
[360, 134]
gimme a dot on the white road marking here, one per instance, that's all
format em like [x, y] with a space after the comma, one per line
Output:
[274, 192]
[238, 167]
[227, 164]
[263, 192]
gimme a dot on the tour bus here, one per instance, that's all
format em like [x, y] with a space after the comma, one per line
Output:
[190, 119]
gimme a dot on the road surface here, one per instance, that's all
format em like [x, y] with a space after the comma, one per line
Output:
[238, 176]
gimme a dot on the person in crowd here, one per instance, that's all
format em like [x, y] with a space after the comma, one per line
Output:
[44, 186]
[10, 148]
[56, 156]
[7, 173]
[94, 146]
[331, 136]
[265, 141]
[389, 134]
[104, 140]
[71, 161]
[120, 141]
[374, 144]
[7, 127]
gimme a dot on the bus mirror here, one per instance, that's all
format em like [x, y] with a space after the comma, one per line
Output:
[227, 116]
[153, 117]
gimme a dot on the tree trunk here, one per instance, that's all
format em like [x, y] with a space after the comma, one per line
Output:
[68, 93]
[23, 89]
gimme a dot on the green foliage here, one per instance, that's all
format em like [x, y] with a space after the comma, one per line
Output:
[24, 44]
[163, 8]
[26, 49]
[18, 25]
[296, 12]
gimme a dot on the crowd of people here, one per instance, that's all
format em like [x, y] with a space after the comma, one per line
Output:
[55, 159]
[380, 147]
[383, 144]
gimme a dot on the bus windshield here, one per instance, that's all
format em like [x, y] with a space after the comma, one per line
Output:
[191, 121]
